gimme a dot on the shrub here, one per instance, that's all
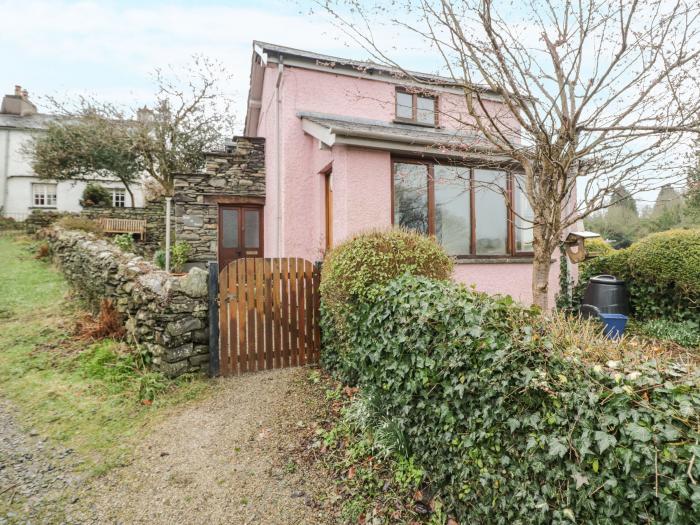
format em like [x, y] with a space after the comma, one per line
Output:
[597, 246]
[7, 223]
[125, 242]
[95, 195]
[354, 270]
[79, 223]
[662, 273]
[669, 259]
[509, 429]
[159, 259]
[683, 333]
[179, 255]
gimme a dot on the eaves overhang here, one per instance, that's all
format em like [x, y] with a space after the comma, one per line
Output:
[330, 131]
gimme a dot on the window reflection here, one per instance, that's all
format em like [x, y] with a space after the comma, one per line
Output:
[452, 214]
[491, 212]
[411, 196]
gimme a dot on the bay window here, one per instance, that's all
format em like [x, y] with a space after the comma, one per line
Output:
[472, 212]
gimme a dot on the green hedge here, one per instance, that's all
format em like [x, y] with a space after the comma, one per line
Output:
[662, 272]
[508, 430]
[353, 271]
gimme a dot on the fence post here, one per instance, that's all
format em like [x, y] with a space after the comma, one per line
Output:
[213, 318]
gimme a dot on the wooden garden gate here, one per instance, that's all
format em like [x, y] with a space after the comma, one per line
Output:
[268, 314]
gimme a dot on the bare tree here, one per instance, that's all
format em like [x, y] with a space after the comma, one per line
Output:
[189, 116]
[595, 94]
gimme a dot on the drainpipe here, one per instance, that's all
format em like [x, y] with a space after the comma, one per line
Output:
[6, 173]
[167, 233]
[278, 157]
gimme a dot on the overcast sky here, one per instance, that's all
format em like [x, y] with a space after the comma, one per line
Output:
[108, 49]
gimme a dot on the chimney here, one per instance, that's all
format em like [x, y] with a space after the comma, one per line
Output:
[18, 104]
[144, 115]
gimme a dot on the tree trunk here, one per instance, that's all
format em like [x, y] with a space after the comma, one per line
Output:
[131, 195]
[540, 278]
[541, 264]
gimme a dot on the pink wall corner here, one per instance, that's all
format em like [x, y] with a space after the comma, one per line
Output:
[267, 128]
[362, 200]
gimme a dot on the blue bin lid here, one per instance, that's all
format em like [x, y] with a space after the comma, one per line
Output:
[612, 316]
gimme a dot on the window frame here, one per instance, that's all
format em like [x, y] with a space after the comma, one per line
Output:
[114, 192]
[44, 194]
[510, 206]
[414, 107]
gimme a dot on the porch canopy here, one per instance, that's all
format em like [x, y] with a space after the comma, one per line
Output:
[397, 137]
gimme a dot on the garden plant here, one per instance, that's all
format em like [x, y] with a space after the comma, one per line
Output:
[504, 421]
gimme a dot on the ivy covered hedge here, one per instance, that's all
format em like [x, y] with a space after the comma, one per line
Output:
[510, 429]
[354, 270]
[662, 272]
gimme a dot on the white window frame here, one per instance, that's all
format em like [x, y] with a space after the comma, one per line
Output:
[44, 195]
[118, 194]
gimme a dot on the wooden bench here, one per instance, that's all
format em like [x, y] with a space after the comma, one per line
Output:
[133, 226]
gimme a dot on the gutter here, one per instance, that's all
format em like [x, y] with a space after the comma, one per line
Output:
[378, 135]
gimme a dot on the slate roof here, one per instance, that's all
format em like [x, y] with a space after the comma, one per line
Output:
[36, 121]
[359, 65]
[396, 132]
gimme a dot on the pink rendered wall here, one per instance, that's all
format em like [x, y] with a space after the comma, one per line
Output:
[361, 177]
[506, 279]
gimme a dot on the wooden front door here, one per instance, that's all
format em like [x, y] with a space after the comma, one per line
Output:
[240, 232]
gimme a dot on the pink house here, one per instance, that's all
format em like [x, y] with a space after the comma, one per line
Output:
[351, 146]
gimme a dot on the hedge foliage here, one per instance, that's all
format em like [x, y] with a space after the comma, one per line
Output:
[510, 430]
[95, 194]
[353, 271]
[597, 246]
[662, 272]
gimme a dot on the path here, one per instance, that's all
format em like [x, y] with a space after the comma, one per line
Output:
[226, 460]
[34, 475]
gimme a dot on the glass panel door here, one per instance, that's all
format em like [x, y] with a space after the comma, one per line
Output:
[251, 228]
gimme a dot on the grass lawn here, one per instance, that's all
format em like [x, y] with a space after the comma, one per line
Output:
[88, 396]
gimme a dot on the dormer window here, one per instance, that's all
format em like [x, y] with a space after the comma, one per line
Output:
[416, 108]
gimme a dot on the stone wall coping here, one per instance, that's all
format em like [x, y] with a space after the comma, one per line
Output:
[146, 274]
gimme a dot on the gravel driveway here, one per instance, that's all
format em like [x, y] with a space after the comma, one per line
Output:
[227, 459]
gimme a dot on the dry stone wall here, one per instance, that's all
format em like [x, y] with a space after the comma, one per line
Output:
[153, 213]
[235, 176]
[165, 314]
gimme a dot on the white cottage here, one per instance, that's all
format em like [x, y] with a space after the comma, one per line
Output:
[21, 191]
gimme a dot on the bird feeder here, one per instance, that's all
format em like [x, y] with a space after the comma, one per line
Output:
[575, 247]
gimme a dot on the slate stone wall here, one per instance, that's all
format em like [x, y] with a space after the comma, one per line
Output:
[235, 176]
[153, 213]
[166, 314]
